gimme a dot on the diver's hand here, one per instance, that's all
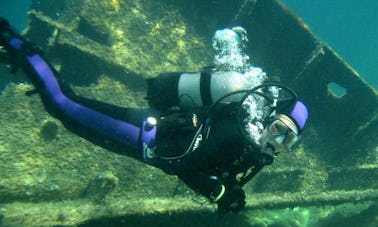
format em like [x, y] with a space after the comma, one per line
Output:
[266, 156]
[7, 55]
[3, 24]
[233, 200]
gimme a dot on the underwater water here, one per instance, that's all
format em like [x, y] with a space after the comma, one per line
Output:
[349, 27]
[352, 42]
[15, 11]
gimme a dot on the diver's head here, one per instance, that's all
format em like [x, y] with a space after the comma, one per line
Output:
[284, 130]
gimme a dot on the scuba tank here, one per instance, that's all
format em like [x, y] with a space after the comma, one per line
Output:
[190, 90]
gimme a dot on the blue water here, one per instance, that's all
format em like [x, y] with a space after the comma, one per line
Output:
[15, 12]
[349, 27]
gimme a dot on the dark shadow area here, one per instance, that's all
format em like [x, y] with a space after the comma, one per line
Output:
[186, 219]
[267, 182]
[51, 8]
[353, 179]
[81, 69]
[6, 76]
[218, 13]
[90, 31]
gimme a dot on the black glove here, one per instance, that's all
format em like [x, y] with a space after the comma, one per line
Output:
[14, 55]
[4, 35]
[4, 29]
[233, 200]
[266, 156]
[3, 24]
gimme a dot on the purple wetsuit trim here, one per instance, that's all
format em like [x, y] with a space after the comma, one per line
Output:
[103, 124]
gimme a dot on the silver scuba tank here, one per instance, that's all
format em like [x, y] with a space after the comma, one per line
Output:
[194, 89]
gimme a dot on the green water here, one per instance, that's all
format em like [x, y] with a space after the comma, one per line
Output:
[349, 27]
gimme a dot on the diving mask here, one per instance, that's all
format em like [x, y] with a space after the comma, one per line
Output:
[261, 102]
[284, 132]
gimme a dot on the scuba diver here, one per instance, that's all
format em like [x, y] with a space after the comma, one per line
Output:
[214, 129]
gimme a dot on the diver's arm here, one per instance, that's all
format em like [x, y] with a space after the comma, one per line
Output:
[228, 195]
[29, 58]
[209, 186]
